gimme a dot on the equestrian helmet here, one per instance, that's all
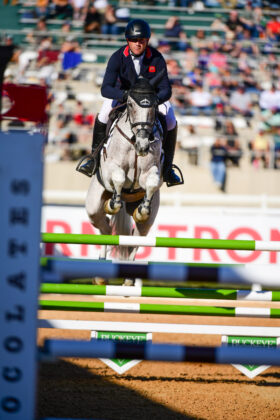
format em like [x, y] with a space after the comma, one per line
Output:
[137, 28]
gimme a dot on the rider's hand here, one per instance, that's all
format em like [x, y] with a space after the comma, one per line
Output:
[125, 95]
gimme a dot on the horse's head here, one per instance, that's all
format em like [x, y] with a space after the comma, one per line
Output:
[141, 108]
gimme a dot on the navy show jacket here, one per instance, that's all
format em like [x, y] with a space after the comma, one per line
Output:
[120, 74]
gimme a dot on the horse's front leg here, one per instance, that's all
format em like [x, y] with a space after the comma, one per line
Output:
[152, 184]
[113, 205]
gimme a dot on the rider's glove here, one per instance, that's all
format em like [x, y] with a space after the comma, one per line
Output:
[125, 95]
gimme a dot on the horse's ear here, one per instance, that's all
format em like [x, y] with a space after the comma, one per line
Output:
[157, 78]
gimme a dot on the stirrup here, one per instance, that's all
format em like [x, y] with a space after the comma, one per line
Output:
[89, 167]
[172, 184]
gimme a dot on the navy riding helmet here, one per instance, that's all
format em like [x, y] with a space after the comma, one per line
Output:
[137, 28]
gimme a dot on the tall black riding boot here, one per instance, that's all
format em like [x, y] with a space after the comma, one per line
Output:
[169, 175]
[92, 161]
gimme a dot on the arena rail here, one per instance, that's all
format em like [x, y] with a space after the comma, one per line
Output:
[123, 240]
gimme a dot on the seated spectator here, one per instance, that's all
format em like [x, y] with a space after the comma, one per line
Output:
[200, 100]
[92, 22]
[109, 26]
[212, 78]
[241, 103]
[203, 58]
[60, 9]
[191, 143]
[72, 56]
[199, 40]
[218, 23]
[234, 151]
[218, 153]
[47, 57]
[173, 29]
[276, 147]
[42, 8]
[260, 148]
[79, 9]
[273, 26]
[234, 21]
[218, 59]
[190, 59]
[174, 72]
[270, 98]
[36, 36]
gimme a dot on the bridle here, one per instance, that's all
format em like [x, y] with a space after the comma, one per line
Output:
[141, 124]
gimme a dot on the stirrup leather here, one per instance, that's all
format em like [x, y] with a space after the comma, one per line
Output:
[171, 184]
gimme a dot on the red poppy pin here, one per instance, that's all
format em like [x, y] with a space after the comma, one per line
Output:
[152, 69]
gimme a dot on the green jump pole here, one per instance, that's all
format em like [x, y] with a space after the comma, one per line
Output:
[158, 309]
[161, 292]
[245, 245]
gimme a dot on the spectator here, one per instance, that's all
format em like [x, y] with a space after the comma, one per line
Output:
[270, 98]
[212, 78]
[79, 9]
[199, 40]
[241, 103]
[191, 142]
[61, 9]
[203, 58]
[218, 163]
[273, 26]
[92, 22]
[234, 151]
[72, 56]
[39, 34]
[276, 147]
[173, 29]
[260, 148]
[234, 21]
[47, 57]
[42, 8]
[218, 23]
[218, 59]
[109, 25]
[200, 100]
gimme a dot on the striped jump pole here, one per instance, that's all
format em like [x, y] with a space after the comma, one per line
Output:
[160, 352]
[166, 328]
[162, 292]
[60, 269]
[123, 240]
[147, 308]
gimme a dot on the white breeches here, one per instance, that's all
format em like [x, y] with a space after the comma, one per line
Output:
[165, 108]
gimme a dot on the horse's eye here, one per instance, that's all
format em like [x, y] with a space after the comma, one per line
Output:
[129, 104]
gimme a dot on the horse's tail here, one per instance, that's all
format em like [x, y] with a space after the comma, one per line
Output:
[121, 224]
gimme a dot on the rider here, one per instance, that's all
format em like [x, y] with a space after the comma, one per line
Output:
[124, 66]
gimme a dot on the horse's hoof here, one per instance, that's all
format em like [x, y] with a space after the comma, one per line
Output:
[109, 210]
[138, 217]
[128, 282]
[99, 281]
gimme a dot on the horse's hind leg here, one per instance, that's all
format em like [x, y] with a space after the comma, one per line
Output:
[113, 205]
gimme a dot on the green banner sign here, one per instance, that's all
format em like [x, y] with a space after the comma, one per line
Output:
[251, 370]
[121, 365]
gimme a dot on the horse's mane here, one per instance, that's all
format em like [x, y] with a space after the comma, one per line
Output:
[143, 88]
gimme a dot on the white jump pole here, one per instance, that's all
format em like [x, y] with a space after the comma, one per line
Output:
[166, 328]
[20, 222]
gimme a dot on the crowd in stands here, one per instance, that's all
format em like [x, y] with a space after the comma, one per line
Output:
[231, 71]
